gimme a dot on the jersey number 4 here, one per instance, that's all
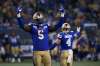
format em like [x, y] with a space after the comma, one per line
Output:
[40, 34]
[68, 41]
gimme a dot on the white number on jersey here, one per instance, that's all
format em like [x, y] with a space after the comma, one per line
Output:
[68, 42]
[40, 34]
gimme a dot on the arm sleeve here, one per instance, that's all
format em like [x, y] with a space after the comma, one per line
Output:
[77, 33]
[53, 46]
[58, 25]
[20, 22]
[59, 36]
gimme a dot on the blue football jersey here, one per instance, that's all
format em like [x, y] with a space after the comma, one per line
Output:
[14, 41]
[39, 33]
[40, 36]
[66, 39]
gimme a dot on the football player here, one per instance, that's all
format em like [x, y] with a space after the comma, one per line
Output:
[65, 41]
[39, 31]
[14, 40]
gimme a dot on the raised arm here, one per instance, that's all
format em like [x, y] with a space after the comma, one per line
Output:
[61, 21]
[77, 33]
[57, 42]
[21, 21]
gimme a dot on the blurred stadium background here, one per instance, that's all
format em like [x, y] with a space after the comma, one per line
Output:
[86, 13]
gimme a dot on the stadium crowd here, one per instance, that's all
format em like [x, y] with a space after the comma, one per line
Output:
[83, 12]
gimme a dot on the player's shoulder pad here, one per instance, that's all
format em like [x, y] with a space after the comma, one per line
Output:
[72, 32]
[30, 23]
[45, 24]
[59, 35]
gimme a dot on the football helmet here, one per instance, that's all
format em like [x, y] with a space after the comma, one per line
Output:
[37, 15]
[66, 27]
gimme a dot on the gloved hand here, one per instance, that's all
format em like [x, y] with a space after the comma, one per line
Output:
[62, 11]
[19, 10]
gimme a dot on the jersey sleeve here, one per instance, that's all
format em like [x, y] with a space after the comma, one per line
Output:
[59, 24]
[26, 27]
[20, 22]
[77, 33]
[59, 36]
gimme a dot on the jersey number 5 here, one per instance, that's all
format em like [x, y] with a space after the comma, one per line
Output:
[40, 34]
